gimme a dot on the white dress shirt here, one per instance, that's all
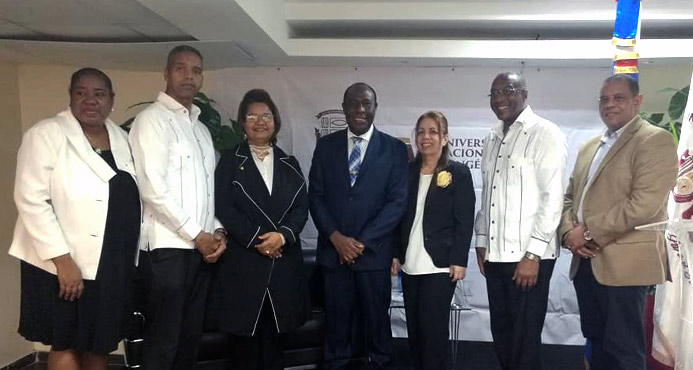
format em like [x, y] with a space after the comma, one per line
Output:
[266, 168]
[417, 261]
[175, 159]
[363, 144]
[522, 195]
[607, 141]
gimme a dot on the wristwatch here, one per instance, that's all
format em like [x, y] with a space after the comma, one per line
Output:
[532, 257]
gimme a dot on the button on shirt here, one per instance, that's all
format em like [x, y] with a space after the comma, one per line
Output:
[174, 161]
[607, 141]
[522, 194]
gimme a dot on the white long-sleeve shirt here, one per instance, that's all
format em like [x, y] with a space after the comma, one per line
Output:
[417, 261]
[175, 159]
[522, 195]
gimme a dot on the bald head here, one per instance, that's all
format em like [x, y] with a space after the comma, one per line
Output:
[516, 80]
[508, 98]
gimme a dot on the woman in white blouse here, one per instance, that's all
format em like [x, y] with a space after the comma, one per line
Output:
[261, 200]
[78, 227]
[434, 240]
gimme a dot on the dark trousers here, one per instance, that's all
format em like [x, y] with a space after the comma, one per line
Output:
[263, 350]
[177, 283]
[346, 291]
[427, 303]
[517, 317]
[612, 318]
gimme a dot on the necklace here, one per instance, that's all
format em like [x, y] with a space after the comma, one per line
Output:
[93, 146]
[260, 151]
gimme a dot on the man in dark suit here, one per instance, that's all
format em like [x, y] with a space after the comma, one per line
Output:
[358, 191]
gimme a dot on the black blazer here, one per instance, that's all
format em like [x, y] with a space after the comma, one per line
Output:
[448, 219]
[370, 210]
[247, 210]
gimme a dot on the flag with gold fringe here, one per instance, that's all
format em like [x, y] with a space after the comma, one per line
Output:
[625, 37]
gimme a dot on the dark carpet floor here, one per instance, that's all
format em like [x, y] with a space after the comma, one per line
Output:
[470, 356]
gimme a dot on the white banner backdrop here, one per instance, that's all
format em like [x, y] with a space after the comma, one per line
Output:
[309, 101]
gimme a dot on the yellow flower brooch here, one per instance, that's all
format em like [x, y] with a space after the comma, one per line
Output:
[444, 179]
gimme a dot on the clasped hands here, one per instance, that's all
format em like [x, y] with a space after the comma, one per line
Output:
[211, 246]
[575, 241]
[271, 245]
[348, 249]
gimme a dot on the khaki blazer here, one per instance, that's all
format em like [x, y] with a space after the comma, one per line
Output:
[630, 188]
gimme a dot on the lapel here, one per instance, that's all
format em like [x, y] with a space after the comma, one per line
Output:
[371, 155]
[283, 188]
[277, 176]
[625, 137]
[287, 181]
[120, 148]
[341, 149]
[291, 183]
[248, 176]
[582, 171]
[432, 191]
[75, 136]
[414, 175]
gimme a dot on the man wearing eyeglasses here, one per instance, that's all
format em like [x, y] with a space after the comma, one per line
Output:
[358, 192]
[621, 180]
[523, 163]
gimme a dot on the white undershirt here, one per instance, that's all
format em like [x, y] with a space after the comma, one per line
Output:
[266, 167]
[417, 261]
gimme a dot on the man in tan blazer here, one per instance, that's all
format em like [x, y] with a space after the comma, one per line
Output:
[620, 180]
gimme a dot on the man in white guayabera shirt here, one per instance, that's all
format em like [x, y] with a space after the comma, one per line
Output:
[523, 162]
[174, 161]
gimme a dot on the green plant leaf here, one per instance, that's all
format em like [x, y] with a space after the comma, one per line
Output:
[677, 104]
[203, 98]
[127, 124]
[676, 132]
[236, 128]
[209, 116]
[655, 118]
[224, 137]
[138, 104]
[669, 89]
[227, 140]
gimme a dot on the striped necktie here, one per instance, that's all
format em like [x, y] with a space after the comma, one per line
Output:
[355, 159]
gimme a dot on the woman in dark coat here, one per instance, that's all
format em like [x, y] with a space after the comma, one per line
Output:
[435, 235]
[262, 202]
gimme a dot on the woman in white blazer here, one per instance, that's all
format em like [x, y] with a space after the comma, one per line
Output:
[78, 227]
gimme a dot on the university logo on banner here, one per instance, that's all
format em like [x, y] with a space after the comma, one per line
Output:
[330, 120]
[333, 120]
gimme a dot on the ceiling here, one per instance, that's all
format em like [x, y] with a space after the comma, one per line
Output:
[137, 34]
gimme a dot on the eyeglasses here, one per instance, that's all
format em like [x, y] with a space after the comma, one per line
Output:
[506, 91]
[618, 99]
[252, 117]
